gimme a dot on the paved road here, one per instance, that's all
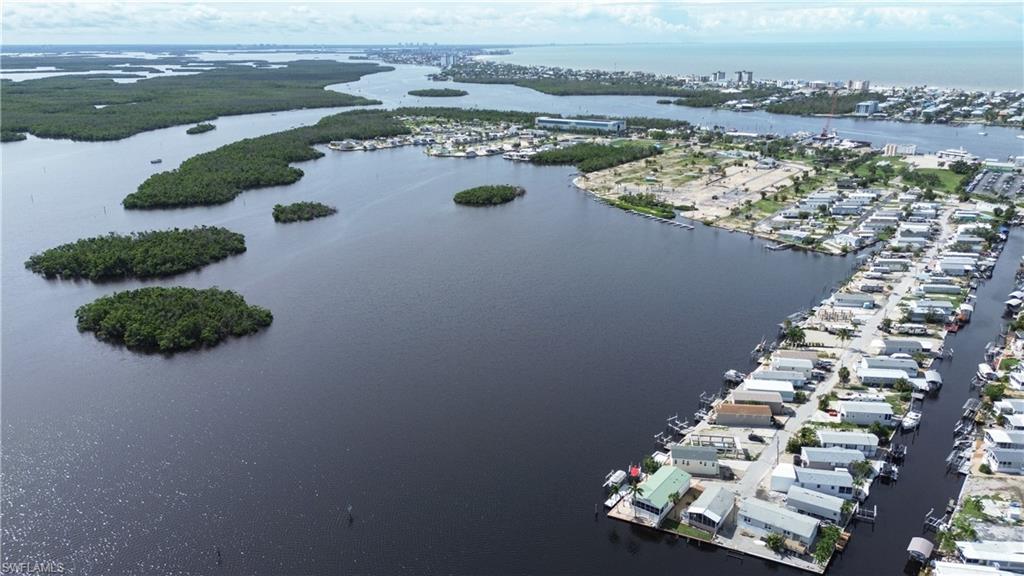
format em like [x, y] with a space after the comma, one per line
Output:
[851, 356]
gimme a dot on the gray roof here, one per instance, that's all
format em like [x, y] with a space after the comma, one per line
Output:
[798, 495]
[779, 517]
[838, 455]
[824, 477]
[867, 407]
[847, 437]
[687, 452]
[714, 503]
[1013, 455]
[740, 395]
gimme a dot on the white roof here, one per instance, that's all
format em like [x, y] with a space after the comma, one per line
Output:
[779, 517]
[768, 385]
[847, 437]
[958, 569]
[714, 503]
[866, 407]
[824, 477]
[991, 551]
[800, 495]
[1005, 436]
[834, 454]
[788, 361]
[894, 373]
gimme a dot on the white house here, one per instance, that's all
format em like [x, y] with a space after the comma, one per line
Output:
[834, 482]
[762, 518]
[773, 400]
[695, 460]
[712, 509]
[654, 502]
[782, 388]
[829, 458]
[866, 413]
[1004, 460]
[815, 504]
[864, 442]
[907, 365]
[784, 363]
[852, 300]
[1011, 439]
[880, 376]
[792, 376]
[1005, 555]
[890, 346]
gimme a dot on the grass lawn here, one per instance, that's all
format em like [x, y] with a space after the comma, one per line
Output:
[1008, 363]
[950, 180]
[687, 530]
[899, 407]
[768, 206]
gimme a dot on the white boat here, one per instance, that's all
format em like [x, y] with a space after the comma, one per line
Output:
[615, 478]
[617, 496]
[911, 420]
[1021, 136]
[986, 373]
[982, 133]
[733, 376]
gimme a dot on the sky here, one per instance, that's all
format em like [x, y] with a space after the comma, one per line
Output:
[602, 21]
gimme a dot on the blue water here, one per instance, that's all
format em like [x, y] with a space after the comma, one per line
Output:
[970, 65]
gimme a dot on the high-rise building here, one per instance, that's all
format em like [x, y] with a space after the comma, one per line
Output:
[744, 77]
[858, 85]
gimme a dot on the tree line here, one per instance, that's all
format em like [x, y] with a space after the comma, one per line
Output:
[593, 157]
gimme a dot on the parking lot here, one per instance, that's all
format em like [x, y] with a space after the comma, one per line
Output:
[1005, 184]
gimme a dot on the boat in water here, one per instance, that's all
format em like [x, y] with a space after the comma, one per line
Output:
[986, 373]
[733, 376]
[156, 161]
[910, 420]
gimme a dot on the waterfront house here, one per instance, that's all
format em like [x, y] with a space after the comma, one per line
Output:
[901, 264]
[712, 509]
[866, 413]
[829, 458]
[887, 377]
[773, 400]
[695, 460]
[837, 482]
[1004, 460]
[908, 366]
[1010, 406]
[890, 346]
[780, 387]
[941, 289]
[1014, 421]
[955, 267]
[815, 504]
[802, 365]
[750, 415]
[1011, 439]
[1004, 555]
[851, 300]
[797, 379]
[923, 310]
[762, 518]
[654, 502]
[864, 442]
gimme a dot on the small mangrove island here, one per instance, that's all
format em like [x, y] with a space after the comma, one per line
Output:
[200, 128]
[171, 319]
[284, 213]
[489, 195]
[438, 92]
[138, 255]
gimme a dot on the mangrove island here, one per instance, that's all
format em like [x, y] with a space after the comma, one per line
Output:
[171, 319]
[285, 213]
[138, 255]
[438, 93]
[200, 128]
[489, 195]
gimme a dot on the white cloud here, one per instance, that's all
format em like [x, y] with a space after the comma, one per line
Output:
[559, 21]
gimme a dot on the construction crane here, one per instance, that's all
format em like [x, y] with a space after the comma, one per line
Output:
[832, 112]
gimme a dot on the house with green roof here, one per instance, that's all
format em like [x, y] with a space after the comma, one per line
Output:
[654, 502]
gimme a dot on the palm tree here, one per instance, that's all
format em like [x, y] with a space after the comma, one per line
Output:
[635, 491]
[795, 335]
[844, 335]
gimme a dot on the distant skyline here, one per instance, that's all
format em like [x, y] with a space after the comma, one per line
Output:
[319, 22]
